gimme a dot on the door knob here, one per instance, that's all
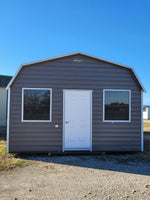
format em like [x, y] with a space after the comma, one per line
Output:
[67, 122]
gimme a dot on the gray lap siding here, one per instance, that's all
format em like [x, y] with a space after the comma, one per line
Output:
[61, 74]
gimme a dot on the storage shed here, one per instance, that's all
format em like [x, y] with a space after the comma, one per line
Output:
[4, 80]
[146, 112]
[75, 102]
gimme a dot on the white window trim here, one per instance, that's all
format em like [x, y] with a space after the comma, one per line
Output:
[113, 121]
[22, 110]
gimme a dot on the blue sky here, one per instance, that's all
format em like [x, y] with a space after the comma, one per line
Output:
[117, 30]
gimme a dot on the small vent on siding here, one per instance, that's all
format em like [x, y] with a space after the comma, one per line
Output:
[77, 60]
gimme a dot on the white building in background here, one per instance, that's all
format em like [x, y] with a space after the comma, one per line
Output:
[146, 112]
[4, 80]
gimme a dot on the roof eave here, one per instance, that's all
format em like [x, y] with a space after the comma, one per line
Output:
[70, 54]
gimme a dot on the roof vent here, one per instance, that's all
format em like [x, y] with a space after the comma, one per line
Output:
[78, 60]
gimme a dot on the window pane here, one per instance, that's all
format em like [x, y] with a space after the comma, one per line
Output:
[36, 104]
[116, 105]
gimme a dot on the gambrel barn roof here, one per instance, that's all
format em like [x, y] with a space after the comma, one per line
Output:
[78, 53]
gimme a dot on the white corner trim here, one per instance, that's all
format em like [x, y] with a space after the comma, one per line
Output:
[142, 134]
[113, 121]
[91, 99]
[70, 54]
[8, 117]
[22, 105]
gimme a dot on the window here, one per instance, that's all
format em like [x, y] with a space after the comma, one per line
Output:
[116, 105]
[36, 104]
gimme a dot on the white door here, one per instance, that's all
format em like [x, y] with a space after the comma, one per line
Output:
[77, 119]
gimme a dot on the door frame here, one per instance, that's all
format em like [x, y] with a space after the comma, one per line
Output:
[63, 138]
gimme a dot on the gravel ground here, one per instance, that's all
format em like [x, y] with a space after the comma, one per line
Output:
[77, 177]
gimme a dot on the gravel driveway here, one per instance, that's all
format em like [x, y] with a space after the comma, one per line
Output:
[77, 177]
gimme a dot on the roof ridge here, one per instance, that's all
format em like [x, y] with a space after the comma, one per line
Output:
[71, 54]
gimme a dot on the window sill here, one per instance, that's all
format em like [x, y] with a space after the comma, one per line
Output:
[36, 121]
[111, 121]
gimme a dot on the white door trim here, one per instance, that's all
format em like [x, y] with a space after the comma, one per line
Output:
[63, 143]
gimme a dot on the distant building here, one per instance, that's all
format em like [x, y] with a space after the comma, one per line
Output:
[4, 80]
[146, 112]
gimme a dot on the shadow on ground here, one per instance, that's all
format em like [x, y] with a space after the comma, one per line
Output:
[114, 162]
[135, 163]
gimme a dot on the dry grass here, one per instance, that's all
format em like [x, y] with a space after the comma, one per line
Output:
[146, 128]
[146, 125]
[10, 161]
